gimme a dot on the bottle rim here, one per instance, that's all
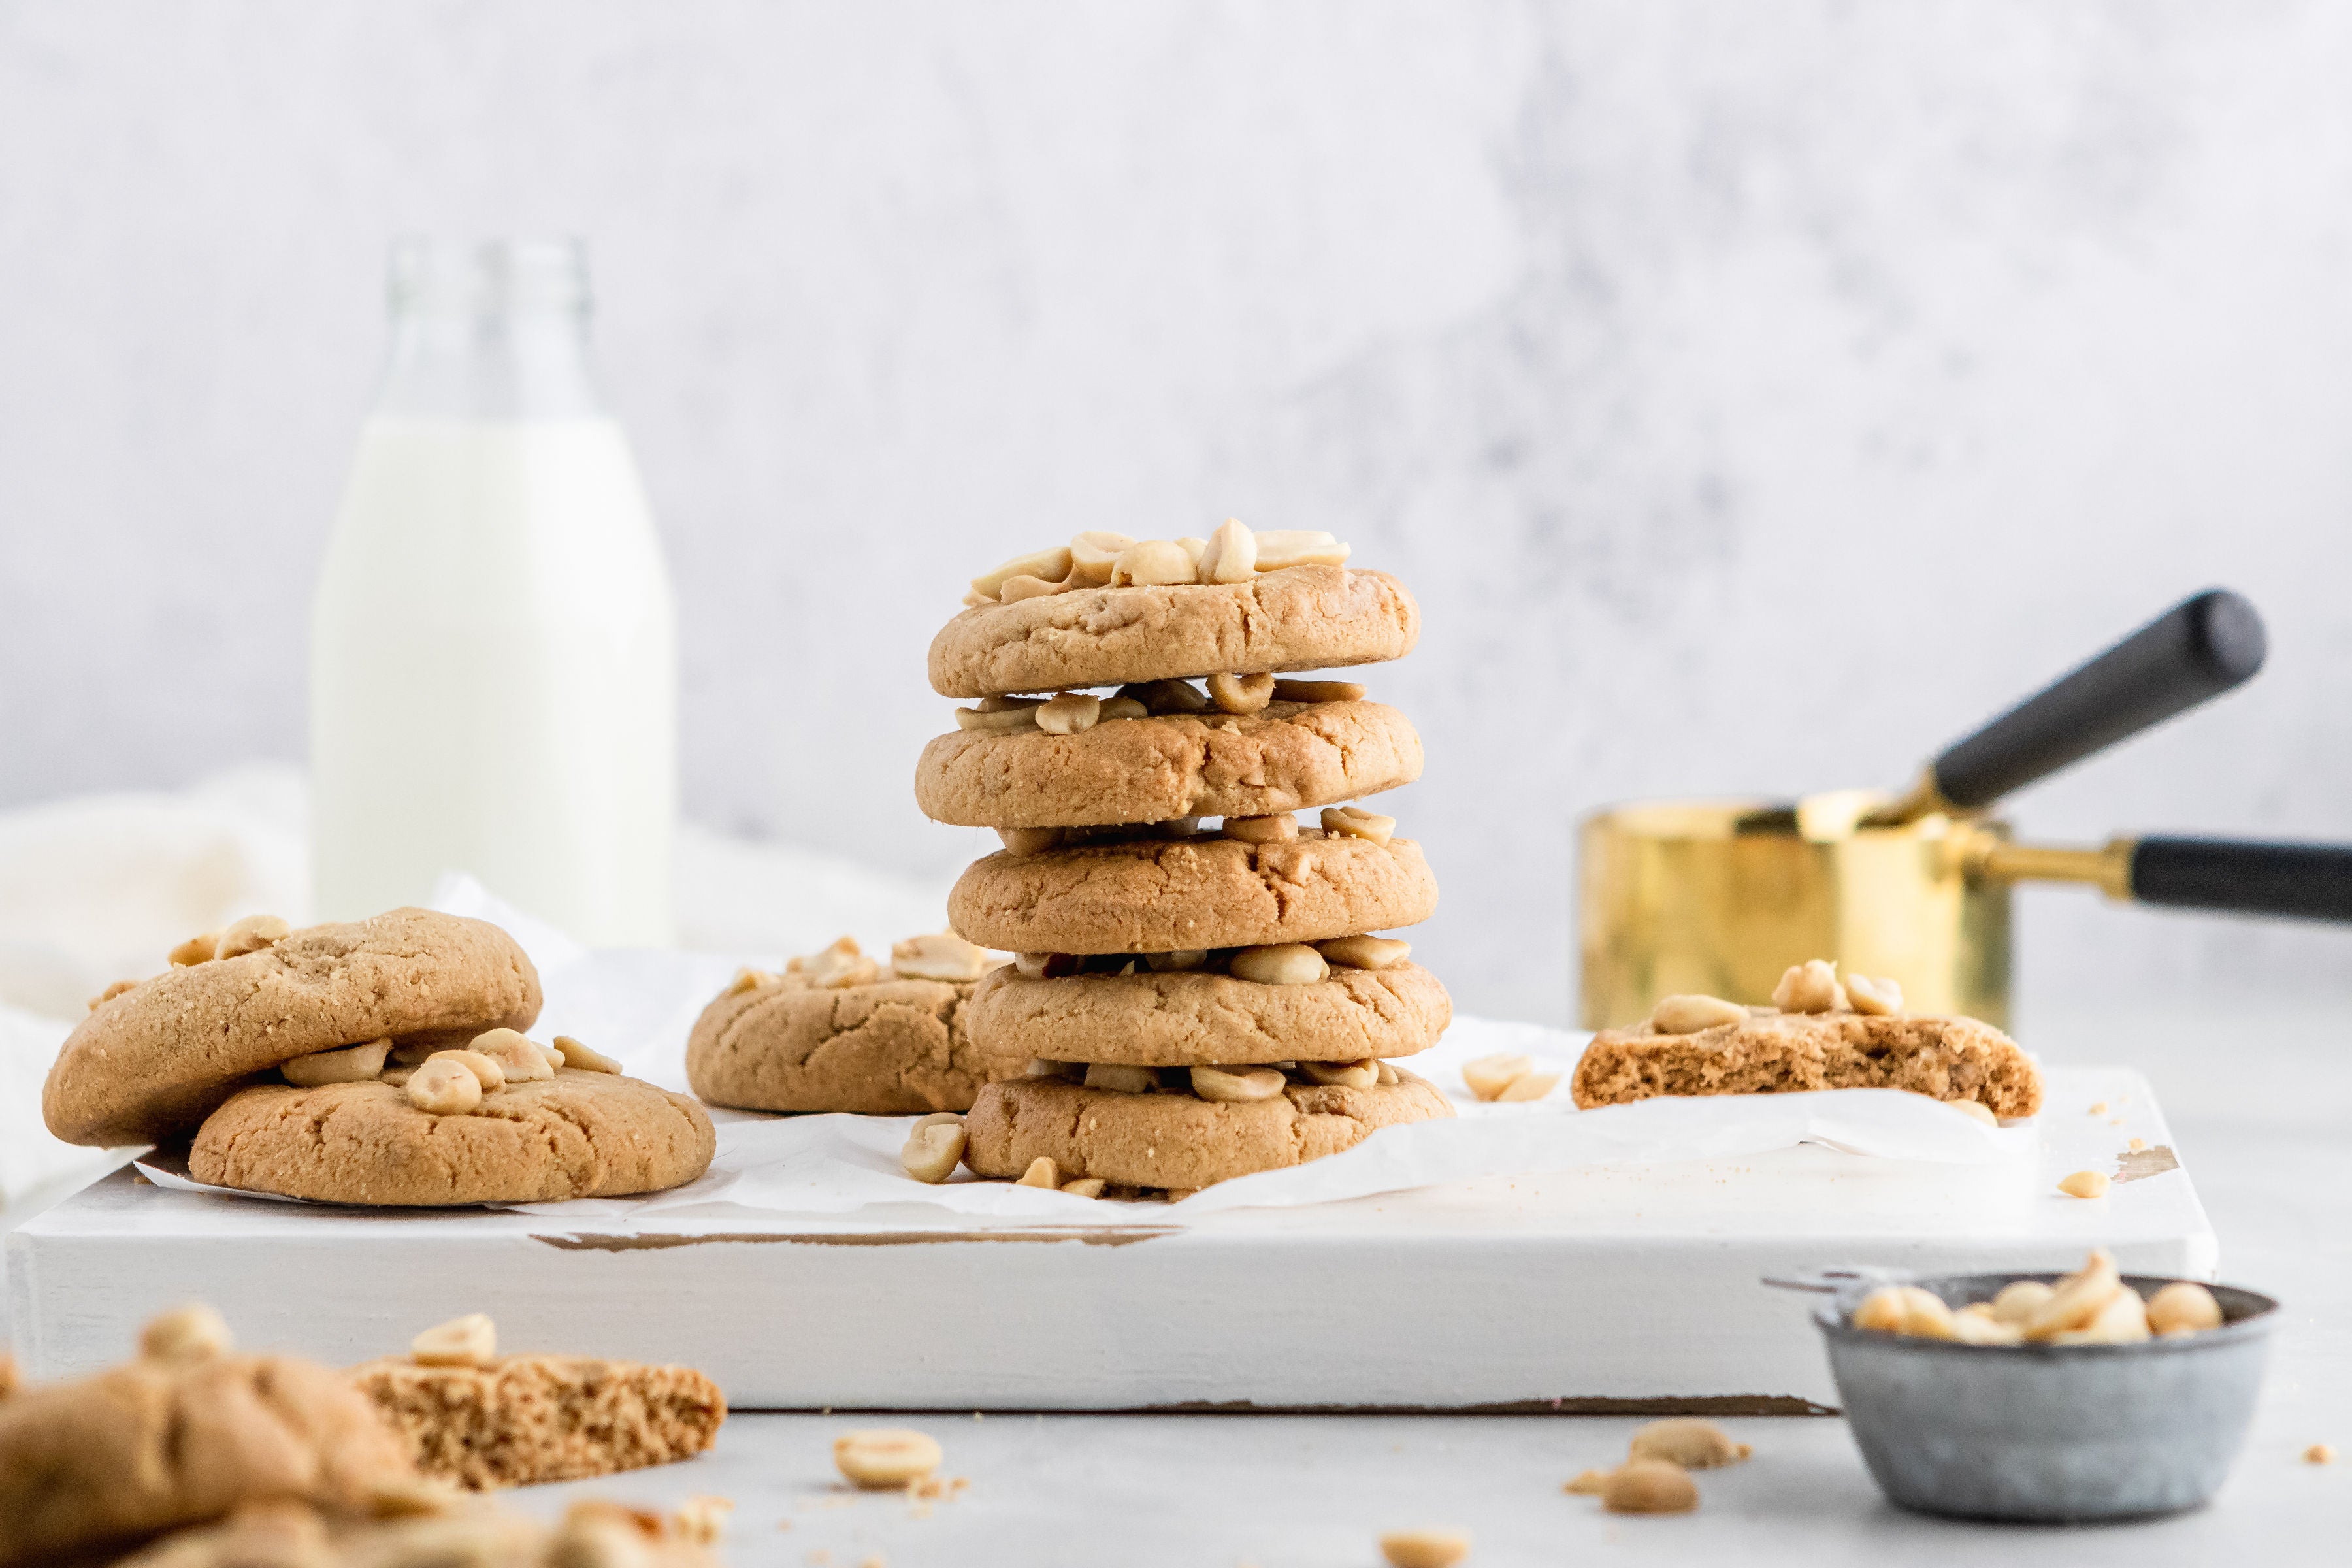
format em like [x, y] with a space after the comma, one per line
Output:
[437, 275]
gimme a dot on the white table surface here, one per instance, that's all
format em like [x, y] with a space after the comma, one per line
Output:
[2259, 1107]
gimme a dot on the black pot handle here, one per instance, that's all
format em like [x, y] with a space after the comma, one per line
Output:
[2197, 649]
[2309, 882]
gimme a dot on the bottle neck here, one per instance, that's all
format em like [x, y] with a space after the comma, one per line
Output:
[497, 330]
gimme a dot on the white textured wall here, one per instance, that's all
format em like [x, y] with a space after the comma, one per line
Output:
[1755, 393]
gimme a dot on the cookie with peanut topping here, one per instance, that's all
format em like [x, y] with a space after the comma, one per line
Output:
[1780, 1052]
[1166, 895]
[574, 1135]
[151, 1061]
[1298, 618]
[1284, 757]
[1181, 1017]
[1176, 1139]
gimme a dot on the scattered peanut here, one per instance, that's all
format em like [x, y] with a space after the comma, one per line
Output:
[488, 1073]
[251, 934]
[838, 967]
[1155, 562]
[933, 1147]
[442, 1088]
[1045, 565]
[1489, 1076]
[1649, 1486]
[587, 1059]
[941, 955]
[1528, 1086]
[2183, 1304]
[1085, 1186]
[2084, 1184]
[1344, 1075]
[1121, 1078]
[1384, 1073]
[1687, 1441]
[1881, 998]
[1042, 1172]
[1425, 1548]
[1365, 952]
[1093, 554]
[352, 1064]
[196, 949]
[748, 979]
[1283, 547]
[517, 1059]
[1002, 722]
[1230, 554]
[1689, 1014]
[1071, 713]
[1810, 987]
[1283, 964]
[1318, 691]
[469, 1340]
[889, 1457]
[1355, 822]
[1016, 589]
[1282, 829]
[1241, 693]
[1236, 1085]
[193, 1332]
[2136, 1145]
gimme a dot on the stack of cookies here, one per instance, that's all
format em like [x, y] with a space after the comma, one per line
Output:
[1200, 991]
[379, 1061]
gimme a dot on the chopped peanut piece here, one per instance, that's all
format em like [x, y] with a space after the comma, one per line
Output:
[1003, 721]
[1122, 708]
[1879, 998]
[2084, 1184]
[1181, 962]
[1241, 693]
[1230, 554]
[1282, 547]
[1071, 713]
[1236, 1086]
[1155, 562]
[587, 1059]
[1425, 1548]
[1318, 691]
[1280, 829]
[2319, 1454]
[1042, 1172]
[469, 1340]
[444, 1087]
[1282, 963]
[1085, 1186]
[1689, 1014]
[1027, 841]
[517, 1058]
[941, 955]
[1121, 1078]
[1649, 1486]
[1810, 987]
[489, 1073]
[193, 1332]
[889, 1457]
[1528, 1086]
[1355, 822]
[1344, 1075]
[251, 934]
[1688, 1441]
[1093, 554]
[1044, 566]
[839, 966]
[748, 979]
[934, 1148]
[1365, 952]
[196, 949]
[352, 1064]
[1489, 1076]
[2183, 1304]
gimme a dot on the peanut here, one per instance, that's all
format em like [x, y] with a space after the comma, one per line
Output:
[2183, 1304]
[748, 979]
[1071, 713]
[1194, 547]
[1649, 1486]
[1906, 1310]
[1042, 1172]
[1425, 1548]
[251, 934]
[1085, 1186]
[1975, 1325]
[585, 1058]
[839, 966]
[1879, 998]
[1155, 562]
[1689, 1014]
[444, 1087]
[119, 988]
[1282, 547]
[1318, 691]
[941, 955]
[1282, 829]
[1489, 1076]
[1810, 987]
[1016, 589]
[518, 1059]
[1001, 722]
[1385, 1073]
[1528, 1086]
[196, 949]
[1975, 1109]
[891, 1457]
[2319, 1454]
[2122, 1320]
[1120, 1078]
[2084, 1184]
[352, 1064]
[1023, 842]
[1122, 708]
[486, 1071]
[469, 1340]
[1365, 952]
[1045, 565]
[1093, 554]
[2019, 1301]
[934, 1147]
[1344, 1075]
[1588, 1483]
[2077, 1299]
[1231, 555]
[1183, 961]
[1687, 1441]
[1236, 1086]
[193, 1332]
[1282, 963]
[1241, 693]
[1355, 822]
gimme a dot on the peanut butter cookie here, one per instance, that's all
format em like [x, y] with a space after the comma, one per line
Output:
[152, 1062]
[1176, 1139]
[1181, 1019]
[525, 1419]
[1302, 617]
[1780, 1053]
[1286, 756]
[576, 1135]
[1169, 895]
[891, 1047]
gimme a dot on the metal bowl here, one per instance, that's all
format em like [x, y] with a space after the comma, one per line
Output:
[2053, 1433]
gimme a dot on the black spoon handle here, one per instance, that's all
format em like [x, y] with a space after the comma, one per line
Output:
[2310, 881]
[2198, 648]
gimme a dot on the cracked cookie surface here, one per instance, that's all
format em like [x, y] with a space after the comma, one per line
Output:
[1781, 1053]
[891, 1048]
[1189, 1019]
[1289, 756]
[1161, 895]
[1302, 617]
[149, 1065]
[1175, 1139]
[577, 1135]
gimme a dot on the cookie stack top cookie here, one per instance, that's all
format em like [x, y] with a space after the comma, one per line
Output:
[1128, 692]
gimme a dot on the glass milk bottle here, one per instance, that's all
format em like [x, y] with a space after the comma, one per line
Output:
[493, 643]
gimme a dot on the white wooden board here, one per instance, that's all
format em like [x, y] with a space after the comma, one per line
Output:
[1625, 1288]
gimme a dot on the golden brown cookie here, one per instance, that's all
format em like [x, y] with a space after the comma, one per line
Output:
[1302, 617]
[1780, 1052]
[1173, 1020]
[1157, 895]
[1175, 1139]
[150, 1064]
[1286, 757]
[90, 1468]
[890, 1049]
[577, 1135]
[525, 1419]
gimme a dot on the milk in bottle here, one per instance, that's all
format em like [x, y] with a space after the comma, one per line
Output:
[493, 644]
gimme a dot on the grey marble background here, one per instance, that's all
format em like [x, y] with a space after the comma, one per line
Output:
[1756, 393]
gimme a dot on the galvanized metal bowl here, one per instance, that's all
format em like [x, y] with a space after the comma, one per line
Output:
[2061, 1433]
